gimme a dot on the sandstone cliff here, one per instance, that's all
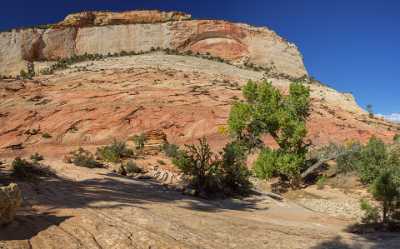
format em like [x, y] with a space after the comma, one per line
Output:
[107, 32]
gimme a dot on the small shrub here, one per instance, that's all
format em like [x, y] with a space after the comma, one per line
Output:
[131, 168]
[198, 162]
[211, 174]
[24, 169]
[371, 213]
[170, 150]
[233, 171]
[46, 135]
[84, 158]
[114, 153]
[37, 157]
[321, 182]
[21, 168]
[139, 141]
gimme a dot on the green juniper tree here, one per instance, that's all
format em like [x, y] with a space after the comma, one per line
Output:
[266, 111]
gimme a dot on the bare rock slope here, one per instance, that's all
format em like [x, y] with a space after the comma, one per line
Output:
[92, 103]
[104, 32]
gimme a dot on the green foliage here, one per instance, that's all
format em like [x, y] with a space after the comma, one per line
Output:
[212, 174]
[279, 163]
[46, 135]
[140, 141]
[386, 190]
[37, 157]
[233, 172]
[371, 213]
[130, 167]
[396, 138]
[373, 159]
[170, 150]
[369, 160]
[377, 165]
[321, 182]
[200, 163]
[25, 170]
[84, 158]
[267, 111]
[28, 74]
[114, 153]
[21, 168]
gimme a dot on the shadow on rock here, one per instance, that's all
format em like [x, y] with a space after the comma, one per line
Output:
[25, 227]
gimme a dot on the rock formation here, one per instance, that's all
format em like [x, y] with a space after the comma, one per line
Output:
[10, 200]
[106, 32]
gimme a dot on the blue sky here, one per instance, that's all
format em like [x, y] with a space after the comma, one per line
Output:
[353, 45]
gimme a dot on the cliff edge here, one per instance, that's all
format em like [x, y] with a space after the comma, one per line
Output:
[140, 31]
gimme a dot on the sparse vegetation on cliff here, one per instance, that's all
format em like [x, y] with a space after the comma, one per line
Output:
[115, 152]
[269, 71]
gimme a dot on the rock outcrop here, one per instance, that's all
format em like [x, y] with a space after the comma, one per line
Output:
[136, 31]
[10, 200]
[99, 18]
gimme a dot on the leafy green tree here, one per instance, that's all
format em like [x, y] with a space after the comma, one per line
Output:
[266, 111]
[373, 159]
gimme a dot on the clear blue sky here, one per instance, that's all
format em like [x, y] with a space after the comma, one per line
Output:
[352, 45]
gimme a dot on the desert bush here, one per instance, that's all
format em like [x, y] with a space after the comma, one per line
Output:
[321, 182]
[267, 111]
[234, 174]
[371, 213]
[347, 161]
[114, 153]
[84, 158]
[213, 174]
[139, 141]
[129, 167]
[24, 169]
[170, 150]
[37, 157]
[46, 135]
[198, 162]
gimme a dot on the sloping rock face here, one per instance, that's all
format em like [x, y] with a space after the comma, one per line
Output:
[10, 200]
[93, 103]
[136, 31]
[98, 18]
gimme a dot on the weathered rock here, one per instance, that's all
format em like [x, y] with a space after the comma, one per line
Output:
[108, 32]
[10, 201]
[98, 18]
[154, 140]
